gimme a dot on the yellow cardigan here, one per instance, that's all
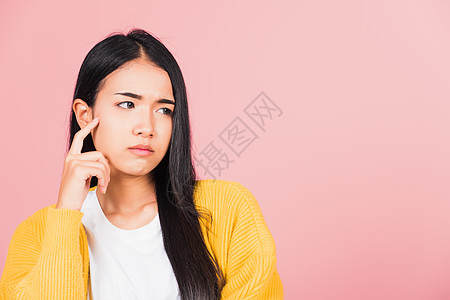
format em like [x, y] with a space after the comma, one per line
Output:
[48, 255]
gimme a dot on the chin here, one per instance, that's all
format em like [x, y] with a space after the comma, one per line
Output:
[138, 169]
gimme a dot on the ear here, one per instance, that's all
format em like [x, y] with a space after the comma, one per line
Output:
[83, 112]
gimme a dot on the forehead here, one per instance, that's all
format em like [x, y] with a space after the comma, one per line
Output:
[140, 77]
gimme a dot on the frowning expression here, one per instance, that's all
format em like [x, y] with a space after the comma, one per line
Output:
[135, 105]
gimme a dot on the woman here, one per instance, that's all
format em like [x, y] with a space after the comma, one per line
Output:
[131, 220]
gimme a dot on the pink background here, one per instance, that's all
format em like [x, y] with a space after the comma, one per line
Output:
[352, 178]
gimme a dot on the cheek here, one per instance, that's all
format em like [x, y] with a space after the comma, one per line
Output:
[168, 132]
[106, 133]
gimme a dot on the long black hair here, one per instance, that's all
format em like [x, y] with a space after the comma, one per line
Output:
[197, 272]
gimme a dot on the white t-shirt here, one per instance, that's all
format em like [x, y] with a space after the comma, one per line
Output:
[126, 264]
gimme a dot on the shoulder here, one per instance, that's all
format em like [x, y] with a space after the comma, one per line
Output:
[32, 227]
[39, 216]
[236, 211]
[211, 184]
[214, 192]
[36, 222]
[218, 186]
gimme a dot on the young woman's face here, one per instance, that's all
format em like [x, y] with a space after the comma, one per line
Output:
[126, 121]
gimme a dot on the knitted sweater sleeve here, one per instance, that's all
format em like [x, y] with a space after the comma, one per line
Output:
[44, 259]
[251, 268]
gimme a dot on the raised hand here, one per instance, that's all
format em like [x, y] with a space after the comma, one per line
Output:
[78, 170]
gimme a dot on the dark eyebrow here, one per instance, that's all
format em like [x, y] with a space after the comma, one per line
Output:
[139, 97]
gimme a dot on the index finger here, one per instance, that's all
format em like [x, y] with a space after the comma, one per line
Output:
[77, 143]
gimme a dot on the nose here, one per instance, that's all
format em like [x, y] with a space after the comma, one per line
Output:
[145, 126]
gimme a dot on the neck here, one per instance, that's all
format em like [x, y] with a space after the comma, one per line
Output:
[127, 195]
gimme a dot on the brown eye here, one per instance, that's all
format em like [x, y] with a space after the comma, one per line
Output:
[125, 102]
[166, 111]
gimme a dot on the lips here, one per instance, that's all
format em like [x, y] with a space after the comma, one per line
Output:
[141, 152]
[142, 147]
